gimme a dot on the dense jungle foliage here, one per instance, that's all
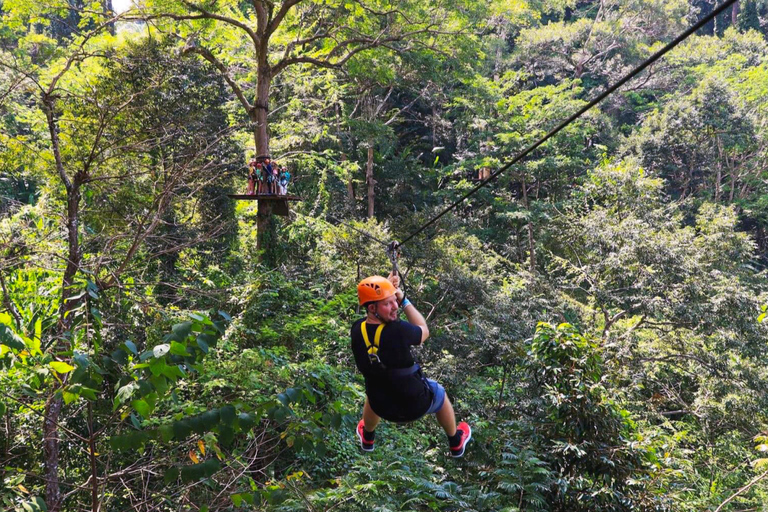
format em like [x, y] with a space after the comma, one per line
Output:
[596, 312]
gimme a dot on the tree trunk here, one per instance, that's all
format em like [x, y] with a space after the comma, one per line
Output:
[350, 187]
[369, 180]
[261, 109]
[92, 454]
[73, 256]
[735, 14]
[55, 403]
[51, 452]
[718, 179]
[264, 224]
[265, 230]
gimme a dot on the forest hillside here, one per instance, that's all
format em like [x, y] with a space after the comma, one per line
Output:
[595, 312]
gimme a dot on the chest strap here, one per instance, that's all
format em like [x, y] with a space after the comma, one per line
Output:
[373, 348]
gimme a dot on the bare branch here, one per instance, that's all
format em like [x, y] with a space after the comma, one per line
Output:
[742, 490]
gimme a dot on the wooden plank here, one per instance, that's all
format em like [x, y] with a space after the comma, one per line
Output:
[263, 197]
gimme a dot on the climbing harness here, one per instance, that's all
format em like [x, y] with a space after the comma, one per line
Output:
[373, 353]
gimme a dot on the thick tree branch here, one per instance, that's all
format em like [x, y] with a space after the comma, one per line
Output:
[366, 43]
[275, 22]
[205, 14]
[210, 57]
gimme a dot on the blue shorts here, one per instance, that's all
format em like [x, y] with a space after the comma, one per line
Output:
[439, 397]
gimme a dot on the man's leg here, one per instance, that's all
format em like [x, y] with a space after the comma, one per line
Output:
[446, 418]
[366, 426]
[370, 418]
[458, 437]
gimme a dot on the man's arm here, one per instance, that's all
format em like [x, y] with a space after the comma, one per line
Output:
[411, 313]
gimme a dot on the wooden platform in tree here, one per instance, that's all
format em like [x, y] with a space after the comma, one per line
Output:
[279, 202]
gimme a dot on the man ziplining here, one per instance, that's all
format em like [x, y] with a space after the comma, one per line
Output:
[395, 386]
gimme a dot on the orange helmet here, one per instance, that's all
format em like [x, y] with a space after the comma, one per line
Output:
[374, 288]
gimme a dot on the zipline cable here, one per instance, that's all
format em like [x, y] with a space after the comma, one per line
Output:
[653, 58]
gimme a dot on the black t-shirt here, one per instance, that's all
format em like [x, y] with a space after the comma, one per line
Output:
[394, 398]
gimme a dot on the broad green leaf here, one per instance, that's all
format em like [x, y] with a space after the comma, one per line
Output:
[61, 367]
[171, 475]
[88, 393]
[142, 407]
[228, 415]
[132, 347]
[178, 349]
[10, 338]
[181, 331]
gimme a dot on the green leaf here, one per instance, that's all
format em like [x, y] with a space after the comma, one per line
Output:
[119, 356]
[132, 440]
[210, 419]
[61, 367]
[142, 407]
[226, 435]
[166, 433]
[225, 316]
[35, 505]
[181, 429]
[246, 421]
[160, 383]
[199, 471]
[293, 394]
[88, 393]
[171, 475]
[178, 349]
[132, 347]
[202, 344]
[181, 331]
[10, 338]
[228, 415]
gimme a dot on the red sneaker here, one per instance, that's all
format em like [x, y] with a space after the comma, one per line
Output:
[465, 435]
[367, 446]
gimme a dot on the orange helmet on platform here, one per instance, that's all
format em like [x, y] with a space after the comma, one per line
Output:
[374, 288]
